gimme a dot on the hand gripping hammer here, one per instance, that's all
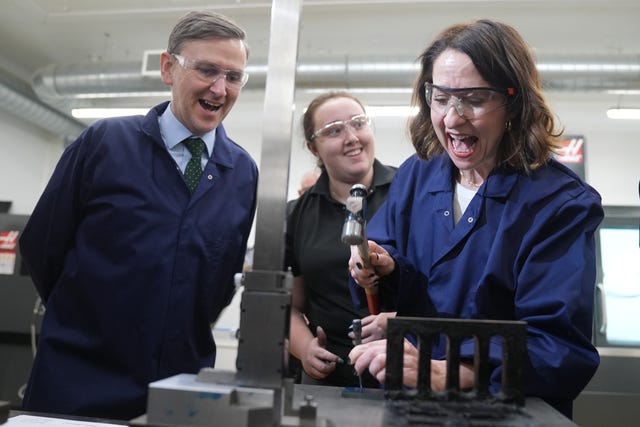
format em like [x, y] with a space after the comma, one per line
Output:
[354, 233]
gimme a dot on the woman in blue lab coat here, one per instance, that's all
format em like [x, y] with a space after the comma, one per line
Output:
[482, 223]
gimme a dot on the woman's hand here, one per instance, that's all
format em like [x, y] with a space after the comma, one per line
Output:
[374, 327]
[382, 264]
[373, 356]
[318, 362]
[439, 375]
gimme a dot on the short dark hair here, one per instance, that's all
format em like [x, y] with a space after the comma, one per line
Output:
[204, 25]
[504, 60]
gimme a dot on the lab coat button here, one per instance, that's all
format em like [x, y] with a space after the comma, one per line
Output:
[447, 213]
[470, 219]
[210, 177]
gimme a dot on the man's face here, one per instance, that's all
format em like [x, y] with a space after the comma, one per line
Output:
[197, 102]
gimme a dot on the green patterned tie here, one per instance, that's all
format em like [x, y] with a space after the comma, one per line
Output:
[193, 171]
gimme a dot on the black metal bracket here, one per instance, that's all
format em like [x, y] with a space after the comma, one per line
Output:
[456, 331]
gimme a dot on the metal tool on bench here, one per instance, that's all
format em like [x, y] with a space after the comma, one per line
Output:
[356, 327]
[354, 233]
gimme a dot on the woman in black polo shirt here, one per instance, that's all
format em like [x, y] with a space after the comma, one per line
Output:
[338, 132]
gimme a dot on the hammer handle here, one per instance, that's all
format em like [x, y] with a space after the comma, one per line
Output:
[373, 301]
[363, 251]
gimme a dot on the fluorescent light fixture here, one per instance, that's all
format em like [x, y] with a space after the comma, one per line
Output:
[623, 92]
[624, 113]
[160, 94]
[362, 90]
[101, 113]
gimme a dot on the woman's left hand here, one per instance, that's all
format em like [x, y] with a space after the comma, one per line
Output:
[373, 356]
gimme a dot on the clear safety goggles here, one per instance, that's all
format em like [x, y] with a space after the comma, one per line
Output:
[211, 73]
[338, 128]
[468, 102]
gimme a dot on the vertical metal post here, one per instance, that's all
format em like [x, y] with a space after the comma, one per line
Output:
[266, 300]
[277, 132]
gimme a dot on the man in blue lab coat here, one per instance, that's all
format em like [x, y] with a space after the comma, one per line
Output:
[133, 264]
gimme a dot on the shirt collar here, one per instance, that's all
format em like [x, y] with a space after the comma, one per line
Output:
[173, 132]
[382, 175]
[498, 184]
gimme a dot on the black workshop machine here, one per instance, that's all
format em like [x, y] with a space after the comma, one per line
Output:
[259, 394]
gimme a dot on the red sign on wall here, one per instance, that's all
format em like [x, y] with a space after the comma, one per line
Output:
[8, 243]
[572, 153]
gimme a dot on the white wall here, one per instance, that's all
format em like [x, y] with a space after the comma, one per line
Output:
[612, 148]
[28, 156]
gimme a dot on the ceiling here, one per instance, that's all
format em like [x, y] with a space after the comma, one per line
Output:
[36, 34]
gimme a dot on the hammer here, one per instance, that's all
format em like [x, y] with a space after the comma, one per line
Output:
[354, 233]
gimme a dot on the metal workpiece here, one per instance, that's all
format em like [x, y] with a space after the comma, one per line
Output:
[426, 330]
[445, 407]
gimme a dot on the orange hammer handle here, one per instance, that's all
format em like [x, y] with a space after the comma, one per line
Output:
[373, 300]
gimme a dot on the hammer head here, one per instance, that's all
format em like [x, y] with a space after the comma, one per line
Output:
[353, 231]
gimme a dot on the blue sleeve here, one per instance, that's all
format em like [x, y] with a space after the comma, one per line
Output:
[52, 225]
[555, 296]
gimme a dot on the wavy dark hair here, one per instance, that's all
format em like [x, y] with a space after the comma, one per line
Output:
[504, 60]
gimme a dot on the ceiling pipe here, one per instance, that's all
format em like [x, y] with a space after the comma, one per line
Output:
[24, 106]
[58, 87]
[125, 79]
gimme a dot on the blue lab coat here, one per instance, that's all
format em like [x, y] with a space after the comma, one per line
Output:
[523, 250]
[133, 268]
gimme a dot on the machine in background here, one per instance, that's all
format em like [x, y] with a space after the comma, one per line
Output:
[612, 395]
[20, 313]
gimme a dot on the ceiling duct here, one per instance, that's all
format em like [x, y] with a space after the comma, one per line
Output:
[20, 103]
[59, 87]
[127, 79]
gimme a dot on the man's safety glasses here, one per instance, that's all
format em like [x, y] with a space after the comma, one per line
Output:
[211, 73]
